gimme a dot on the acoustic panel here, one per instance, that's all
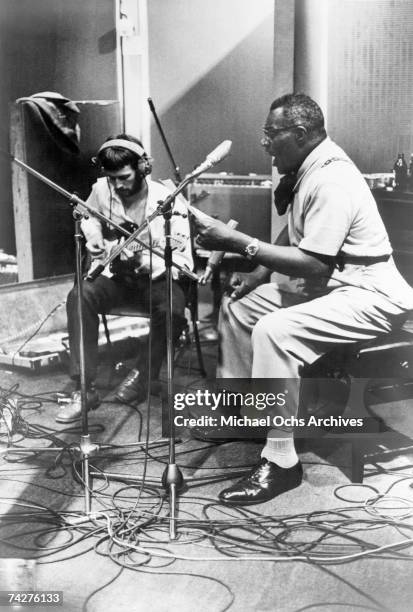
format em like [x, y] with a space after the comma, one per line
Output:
[370, 89]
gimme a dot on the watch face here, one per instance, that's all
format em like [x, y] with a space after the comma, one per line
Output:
[251, 249]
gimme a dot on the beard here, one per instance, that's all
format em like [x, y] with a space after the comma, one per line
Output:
[126, 192]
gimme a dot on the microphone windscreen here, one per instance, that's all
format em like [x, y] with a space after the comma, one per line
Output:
[220, 152]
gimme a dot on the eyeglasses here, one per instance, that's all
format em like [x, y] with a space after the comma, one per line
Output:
[270, 132]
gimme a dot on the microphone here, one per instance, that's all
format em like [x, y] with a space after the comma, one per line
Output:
[213, 158]
[215, 258]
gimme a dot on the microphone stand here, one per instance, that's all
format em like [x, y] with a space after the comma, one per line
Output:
[86, 447]
[177, 172]
[172, 478]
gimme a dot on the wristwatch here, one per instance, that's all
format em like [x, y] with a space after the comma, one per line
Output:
[251, 249]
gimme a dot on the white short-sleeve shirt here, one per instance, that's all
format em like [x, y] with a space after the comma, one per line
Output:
[334, 213]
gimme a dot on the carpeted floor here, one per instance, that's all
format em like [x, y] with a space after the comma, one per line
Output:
[327, 545]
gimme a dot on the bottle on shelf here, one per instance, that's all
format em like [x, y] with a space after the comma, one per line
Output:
[400, 172]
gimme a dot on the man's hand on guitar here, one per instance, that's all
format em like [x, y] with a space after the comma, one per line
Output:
[142, 268]
[96, 247]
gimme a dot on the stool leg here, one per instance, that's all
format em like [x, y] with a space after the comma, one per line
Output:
[198, 346]
[110, 348]
[107, 334]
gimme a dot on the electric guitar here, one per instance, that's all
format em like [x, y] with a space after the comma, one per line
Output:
[127, 264]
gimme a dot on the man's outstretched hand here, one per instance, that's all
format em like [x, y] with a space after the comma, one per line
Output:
[212, 234]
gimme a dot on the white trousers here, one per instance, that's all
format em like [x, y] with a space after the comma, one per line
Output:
[271, 333]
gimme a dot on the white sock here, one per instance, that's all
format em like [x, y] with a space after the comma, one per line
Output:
[279, 448]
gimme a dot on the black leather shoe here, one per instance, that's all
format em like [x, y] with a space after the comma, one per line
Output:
[264, 482]
[132, 389]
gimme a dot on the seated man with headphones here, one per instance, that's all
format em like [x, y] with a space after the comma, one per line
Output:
[126, 195]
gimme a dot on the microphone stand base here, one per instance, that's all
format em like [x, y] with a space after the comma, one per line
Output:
[172, 476]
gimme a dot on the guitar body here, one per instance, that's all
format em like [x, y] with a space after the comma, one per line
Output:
[123, 267]
[111, 233]
[127, 265]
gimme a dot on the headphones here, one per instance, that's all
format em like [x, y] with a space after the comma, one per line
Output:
[144, 163]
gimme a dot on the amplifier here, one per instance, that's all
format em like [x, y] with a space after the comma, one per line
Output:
[247, 199]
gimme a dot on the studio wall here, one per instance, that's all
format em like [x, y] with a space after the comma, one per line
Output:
[211, 78]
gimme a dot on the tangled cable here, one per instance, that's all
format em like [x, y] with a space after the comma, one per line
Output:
[130, 524]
